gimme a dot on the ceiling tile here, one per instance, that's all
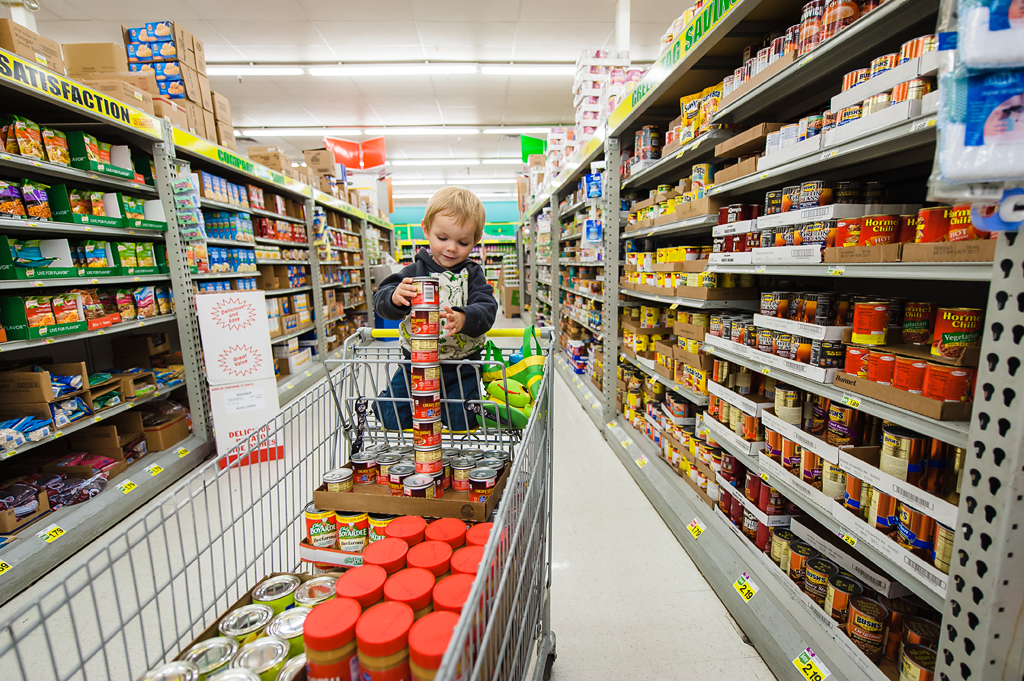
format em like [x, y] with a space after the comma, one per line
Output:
[566, 11]
[61, 9]
[285, 33]
[369, 32]
[223, 10]
[372, 87]
[578, 33]
[80, 31]
[554, 51]
[138, 12]
[282, 53]
[462, 33]
[473, 53]
[474, 86]
[317, 10]
[481, 10]
[222, 53]
[378, 53]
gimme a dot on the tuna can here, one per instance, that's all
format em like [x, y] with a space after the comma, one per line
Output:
[353, 531]
[426, 434]
[909, 375]
[364, 469]
[782, 537]
[956, 329]
[917, 663]
[942, 547]
[918, 323]
[877, 230]
[384, 463]
[817, 572]
[397, 475]
[904, 454]
[855, 78]
[898, 611]
[827, 354]
[427, 296]
[870, 321]
[880, 65]
[338, 480]
[856, 363]
[866, 625]
[424, 323]
[916, 531]
[837, 599]
[426, 406]
[881, 366]
[919, 631]
[848, 115]
[481, 484]
[799, 554]
[420, 485]
[428, 460]
[423, 350]
[947, 383]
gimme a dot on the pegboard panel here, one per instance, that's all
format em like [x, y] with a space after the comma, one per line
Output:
[610, 310]
[982, 632]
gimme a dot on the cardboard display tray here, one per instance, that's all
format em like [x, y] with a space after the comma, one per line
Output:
[919, 404]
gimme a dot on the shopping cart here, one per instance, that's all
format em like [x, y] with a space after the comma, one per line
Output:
[147, 588]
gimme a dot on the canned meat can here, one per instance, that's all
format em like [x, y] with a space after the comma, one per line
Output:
[396, 477]
[878, 229]
[384, 463]
[364, 468]
[420, 485]
[424, 323]
[933, 224]
[425, 378]
[426, 434]
[426, 406]
[947, 383]
[428, 460]
[870, 321]
[918, 323]
[427, 296]
[956, 329]
[865, 625]
[909, 375]
[423, 350]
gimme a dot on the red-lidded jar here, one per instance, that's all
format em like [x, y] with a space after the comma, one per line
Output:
[435, 556]
[328, 634]
[451, 592]
[479, 534]
[365, 584]
[467, 560]
[408, 528]
[389, 553]
[382, 637]
[449, 530]
[428, 641]
[414, 587]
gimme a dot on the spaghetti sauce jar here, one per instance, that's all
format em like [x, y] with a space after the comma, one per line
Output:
[329, 637]
[382, 639]
[428, 641]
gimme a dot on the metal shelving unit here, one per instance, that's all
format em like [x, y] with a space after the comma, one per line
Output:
[699, 400]
[691, 302]
[917, 271]
[11, 346]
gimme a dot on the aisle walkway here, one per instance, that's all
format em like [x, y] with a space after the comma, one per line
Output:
[627, 602]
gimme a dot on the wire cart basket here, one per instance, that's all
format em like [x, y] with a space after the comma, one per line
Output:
[144, 590]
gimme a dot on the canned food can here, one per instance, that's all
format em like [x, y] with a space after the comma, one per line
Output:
[881, 366]
[827, 354]
[918, 631]
[841, 590]
[815, 193]
[426, 406]
[870, 321]
[321, 527]
[424, 323]
[782, 537]
[848, 115]
[427, 294]
[792, 39]
[338, 480]
[876, 103]
[817, 572]
[917, 663]
[880, 65]
[900, 92]
[874, 193]
[426, 434]
[419, 485]
[425, 378]
[956, 329]
[947, 383]
[942, 547]
[847, 192]
[353, 529]
[428, 460]
[882, 511]
[364, 468]
[810, 26]
[799, 553]
[848, 231]
[773, 202]
[397, 474]
[844, 426]
[913, 49]
[919, 87]
[908, 375]
[765, 340]
[855, 78]
[865, 625]
[838, 15]
[878, 229]
[384, 463]
[423, 350]
[933, 224]
[918, 323]
[904, 454]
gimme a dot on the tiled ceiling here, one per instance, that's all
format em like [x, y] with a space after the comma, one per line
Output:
[311, 31]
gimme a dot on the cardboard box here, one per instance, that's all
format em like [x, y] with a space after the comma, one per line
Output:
[226, 136]
[971, 357]
[196, 119]
[919, 404]
[122, 91]
[205, 93]
[320, 161]
[378, 499]
[210, 126]
[199, 54]
[509, 300]
[866, 254]
[144, 81]
[31, 46]
[158, 32]
[193, 91]
[17, 387]
[685, 266]
[746, 143]
[85, 60]
[166, 435]
[729, 173]
[983, 250]
[9, 523]
[221, 107]
[275, 160]
[176, 114]
[107, 439]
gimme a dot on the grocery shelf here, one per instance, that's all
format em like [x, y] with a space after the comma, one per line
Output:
[281, 242]
[578, 263]
[14, 345]
[543, 298]
[642, 365]
[948, 271]
[696, 225]
[695, 150]
[342, 267]
[31, 558]
[339, 284]
[691, 302]
[346, 250]
[80, 281]
[588, 396]
[220, 205]
[225, 275]
[588, 152]
[22, 165]
[354, 305]
[953, 432]
[592, 296]
[567, 311]
[333, 319]
[230, 243]
[54, 227]
[293, 334]
[571, 237]
[288, 291]
[282, 261]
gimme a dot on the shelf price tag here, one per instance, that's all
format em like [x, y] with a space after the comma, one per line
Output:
[627, 443]
[595, 405]
[126, 486]
[921, 125]
[760, 269]
[836, 270]
[59, 433]
[745, 587]
[696, 528]
[4, 567]
[849, 539]
[51, 534]
[182, 453]
[765, 370]
[764, 476]
[612, 424]
[154, 470]
[673, 306]
[829, 153]
[811, 666]
[642, 461]
[850, 401]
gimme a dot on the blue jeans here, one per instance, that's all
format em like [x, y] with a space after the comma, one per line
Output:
[459, 383]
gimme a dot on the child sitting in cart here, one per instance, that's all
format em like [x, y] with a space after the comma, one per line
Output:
[453, 224]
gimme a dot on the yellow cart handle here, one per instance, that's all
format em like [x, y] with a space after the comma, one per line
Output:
[493, 333]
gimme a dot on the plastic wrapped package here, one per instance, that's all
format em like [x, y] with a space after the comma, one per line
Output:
[56, 144]
[11, 204]
[991, 33]
[37, 201]
[126, 304]
[145, 302]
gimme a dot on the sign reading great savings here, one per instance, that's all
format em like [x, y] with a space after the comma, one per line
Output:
[14, 69]
[709, 17]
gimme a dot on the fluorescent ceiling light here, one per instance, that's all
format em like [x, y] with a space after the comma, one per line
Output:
[518, 131]
[528, 70]
[502, 161]
[436, 162]
[424, 130]
[416, 183]
[441, 69]
[298, 132]
[254, 70]
[427, 196]
[470, 180]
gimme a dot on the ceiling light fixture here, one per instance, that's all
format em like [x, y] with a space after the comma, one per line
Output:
[424, 130]
[241, 70]
[436, 162]
[518, 131]
[416, 183]
[427, 196]
[471, 180]
[441, 69]
[298, 132]
[528, 69]
[502, 161]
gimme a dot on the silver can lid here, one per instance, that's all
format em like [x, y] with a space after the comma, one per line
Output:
[388, 459]
[402, 469]
[179, 670]
[338, 475]
[262, 655]
[483, 474]
[212, 654]
[377, 448]
[234, 674]
[491, 463]
[464, 462]
[246, 620]
[315, 591]
[272, 588]
[364, 457]
[419, 481]
[292, 669]
[289, 623]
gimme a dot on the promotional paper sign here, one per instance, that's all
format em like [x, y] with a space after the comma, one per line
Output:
[236, 338]
[240, 412]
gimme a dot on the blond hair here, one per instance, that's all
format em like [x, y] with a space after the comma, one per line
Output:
[461, 204]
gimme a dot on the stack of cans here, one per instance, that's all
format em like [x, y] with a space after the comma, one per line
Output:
[425, 378]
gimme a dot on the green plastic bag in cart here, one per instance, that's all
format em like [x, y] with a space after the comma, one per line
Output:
[528, 371]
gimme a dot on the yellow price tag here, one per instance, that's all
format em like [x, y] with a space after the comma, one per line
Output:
[696, 528]
[51, 534]
[612, 424]
[764, 476]
[745, 587]
[50, 341]
[673, 306]
[760, 269]
[829, 153]
[4, 567]
[641, 462]
[126, 486]
[288, 386]
[811, 666]
[836, 270]
[97, 419]
[852, 541]
[851, 401]
[765, 370]
[595, 405]
[627, 443]
[182, 453]
[154, 469]
[59, 433]
[588, 396]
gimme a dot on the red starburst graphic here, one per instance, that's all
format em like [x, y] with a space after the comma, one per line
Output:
[240, 360]
[233, 314]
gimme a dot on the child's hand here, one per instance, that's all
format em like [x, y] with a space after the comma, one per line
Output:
[453, 320]
[404, 293]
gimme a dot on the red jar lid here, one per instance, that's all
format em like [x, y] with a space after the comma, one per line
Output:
[429, 638]
[451, 592]
[332, 624]
[389, 553]
[409, 528]
[435, 556]
[365, 584]
[450, 530]
[479, 534]
[414, 586]
[384, 629]
[467, 560]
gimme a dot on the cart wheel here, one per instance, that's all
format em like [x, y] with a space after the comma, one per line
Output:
[547, 666]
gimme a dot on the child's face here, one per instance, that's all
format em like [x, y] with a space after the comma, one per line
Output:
[450, 242]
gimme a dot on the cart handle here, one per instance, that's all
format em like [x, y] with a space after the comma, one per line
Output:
[543, 332]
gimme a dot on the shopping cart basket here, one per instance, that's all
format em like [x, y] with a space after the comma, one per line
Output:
[145, 589]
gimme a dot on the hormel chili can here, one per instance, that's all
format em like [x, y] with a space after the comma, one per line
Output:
[956, 329]
[425, 378]
[426, 434]
[947, 383]
[933, 224]
[425, 323]
[423, 350]
[881, 366]
[909, 374]
[428, 292]
[426, 406]
[856, 361]
[878, 229]
[918, 323]
[848, 231]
